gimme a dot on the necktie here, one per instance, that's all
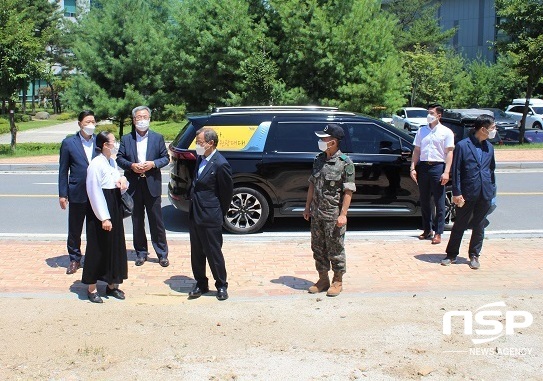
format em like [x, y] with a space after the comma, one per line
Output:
[202, 166]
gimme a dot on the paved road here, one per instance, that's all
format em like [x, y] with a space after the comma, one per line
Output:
[32, 198]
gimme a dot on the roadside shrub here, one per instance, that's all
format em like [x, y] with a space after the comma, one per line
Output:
[111, 127]
[174, 113]
[65, 116]
[22, 118]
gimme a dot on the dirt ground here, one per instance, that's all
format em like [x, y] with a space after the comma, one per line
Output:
[302, 337]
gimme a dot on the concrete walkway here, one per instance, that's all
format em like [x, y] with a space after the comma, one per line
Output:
[51, 134]
[285, 267]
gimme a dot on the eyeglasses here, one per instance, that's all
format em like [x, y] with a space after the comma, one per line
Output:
[142, 117]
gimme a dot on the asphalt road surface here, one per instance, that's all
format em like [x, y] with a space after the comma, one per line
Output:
[30, 208]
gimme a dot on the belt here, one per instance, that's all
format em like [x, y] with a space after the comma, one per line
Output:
[143, 175]
[432, 162]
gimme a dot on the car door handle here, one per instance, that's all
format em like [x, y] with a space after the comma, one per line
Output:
[363, 164]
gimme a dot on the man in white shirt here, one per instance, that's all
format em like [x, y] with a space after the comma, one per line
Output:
[430, 168]
[141, 154]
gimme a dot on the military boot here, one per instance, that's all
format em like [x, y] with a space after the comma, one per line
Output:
[322, 284]
[336, 286]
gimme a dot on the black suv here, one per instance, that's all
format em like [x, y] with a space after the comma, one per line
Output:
[271, 151]
[462, 121]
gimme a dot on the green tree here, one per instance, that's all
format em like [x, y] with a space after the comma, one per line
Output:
[417, 24]
[20, 53]
[493, 85]
[121, 49]
[219, 47]
[522, 21]
[437, 77]
[45, 17]
[339, 52]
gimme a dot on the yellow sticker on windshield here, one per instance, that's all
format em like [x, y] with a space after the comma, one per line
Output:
[231, 138]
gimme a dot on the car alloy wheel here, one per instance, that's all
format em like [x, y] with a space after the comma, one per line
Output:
[248, 211]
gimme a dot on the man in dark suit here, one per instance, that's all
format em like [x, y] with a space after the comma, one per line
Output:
[141, 154]
[474, 187]
[76, 152]
[211, 195]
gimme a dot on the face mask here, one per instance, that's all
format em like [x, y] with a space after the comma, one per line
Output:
[323, 146]
[200, 150]
[430, 118]
[491, 134]
[142, 125]
[113, 151]
[89, 129]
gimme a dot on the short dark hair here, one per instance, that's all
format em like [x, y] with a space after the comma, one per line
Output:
[209, 134]
[83, 114]
[483, 120]
[101, 139]
[437, 106]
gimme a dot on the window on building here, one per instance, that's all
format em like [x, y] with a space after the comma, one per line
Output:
[70, 8]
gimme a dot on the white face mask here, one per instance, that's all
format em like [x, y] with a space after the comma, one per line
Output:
[113, 151]
[430, 118]
[89, 129]
[492, 134]
[200, 150]
[323, 146]
[142, 125]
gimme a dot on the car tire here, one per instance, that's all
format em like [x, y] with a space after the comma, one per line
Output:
[537, 125]
[248, 211]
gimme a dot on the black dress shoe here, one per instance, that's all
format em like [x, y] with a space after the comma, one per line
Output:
[94, 297]
[140, 261]
[115, 292]
[72, 267]
[222, 294]
[197, 291]
[164, 262]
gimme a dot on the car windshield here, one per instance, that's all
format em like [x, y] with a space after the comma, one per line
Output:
[416, 113]
[497, 112]
[538, 110]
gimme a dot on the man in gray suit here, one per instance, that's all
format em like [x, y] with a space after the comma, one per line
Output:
[141, 154]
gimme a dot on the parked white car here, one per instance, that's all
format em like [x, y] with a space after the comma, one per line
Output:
[534, 119]
[410, 118]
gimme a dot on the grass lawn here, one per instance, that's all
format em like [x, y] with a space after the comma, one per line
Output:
[29, 149]
[519, 146]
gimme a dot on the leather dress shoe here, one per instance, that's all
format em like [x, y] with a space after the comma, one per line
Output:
[197, 291]
[140, 261]
[164, 262]
[222, 294]
[72, 267]
[427, 234]
[437, 239]
[115, 292]
[94, 297]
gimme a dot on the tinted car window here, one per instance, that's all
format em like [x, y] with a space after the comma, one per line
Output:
[297, 136]
[369, 138]
[517, 109]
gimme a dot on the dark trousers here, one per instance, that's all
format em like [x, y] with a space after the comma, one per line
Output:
[143, 201]
[471, 215]
[206, 243]
[429, 179]
[76, 218]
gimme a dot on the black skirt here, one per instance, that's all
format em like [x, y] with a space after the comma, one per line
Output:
[105, 255]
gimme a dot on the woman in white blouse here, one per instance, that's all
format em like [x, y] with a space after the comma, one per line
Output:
[105, 255]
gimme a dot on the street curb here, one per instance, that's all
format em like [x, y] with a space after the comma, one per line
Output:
[53, 167]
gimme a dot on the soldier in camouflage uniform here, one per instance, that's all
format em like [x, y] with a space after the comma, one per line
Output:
[331, 186]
